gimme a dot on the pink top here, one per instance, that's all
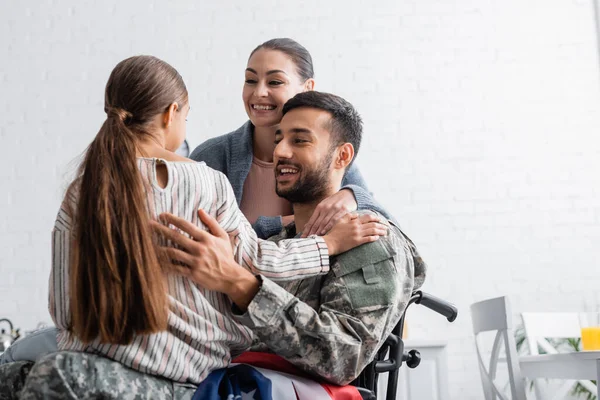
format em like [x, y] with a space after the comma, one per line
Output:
[259, 197]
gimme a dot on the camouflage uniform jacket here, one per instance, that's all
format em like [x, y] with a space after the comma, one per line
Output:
[332, 325]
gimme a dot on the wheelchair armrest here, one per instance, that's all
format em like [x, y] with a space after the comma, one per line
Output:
[440, 306]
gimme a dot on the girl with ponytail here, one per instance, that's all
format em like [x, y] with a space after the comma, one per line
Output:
[117, 286]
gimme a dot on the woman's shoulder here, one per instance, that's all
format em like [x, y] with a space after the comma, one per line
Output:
[215, 142]
[223, 143]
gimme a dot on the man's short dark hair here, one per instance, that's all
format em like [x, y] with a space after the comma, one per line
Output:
[346, 123]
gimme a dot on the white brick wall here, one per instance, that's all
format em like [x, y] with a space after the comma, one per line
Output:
[481, 130]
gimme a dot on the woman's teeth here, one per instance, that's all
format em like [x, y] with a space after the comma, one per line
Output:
[263, 108]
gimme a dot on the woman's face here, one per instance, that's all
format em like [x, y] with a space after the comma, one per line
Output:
[271, 80]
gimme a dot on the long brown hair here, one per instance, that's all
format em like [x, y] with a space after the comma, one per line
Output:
[117, 288]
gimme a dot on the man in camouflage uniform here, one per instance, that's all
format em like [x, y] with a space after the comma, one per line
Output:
[331, 325]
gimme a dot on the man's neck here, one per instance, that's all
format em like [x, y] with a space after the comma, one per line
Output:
[303, 211]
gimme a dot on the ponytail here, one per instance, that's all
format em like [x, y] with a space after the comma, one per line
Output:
[117, 288]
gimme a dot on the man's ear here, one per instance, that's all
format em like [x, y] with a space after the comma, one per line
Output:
[170, 114]
[345, 155]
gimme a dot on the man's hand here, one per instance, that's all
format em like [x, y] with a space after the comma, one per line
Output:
[352, 231]
[208, 257]
[329, 211]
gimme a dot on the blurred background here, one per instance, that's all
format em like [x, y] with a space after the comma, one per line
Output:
[481, 131]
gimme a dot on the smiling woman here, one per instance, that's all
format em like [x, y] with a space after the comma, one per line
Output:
[277, 70]
[268, 86]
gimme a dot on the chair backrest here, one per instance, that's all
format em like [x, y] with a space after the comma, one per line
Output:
[540, 326]
[495, 315]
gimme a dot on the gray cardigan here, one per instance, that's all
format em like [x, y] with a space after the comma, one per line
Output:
[232, 155]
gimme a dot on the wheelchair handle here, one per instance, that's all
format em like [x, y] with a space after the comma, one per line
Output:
[438, 305]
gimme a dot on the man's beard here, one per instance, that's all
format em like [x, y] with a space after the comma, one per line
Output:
[313, 186]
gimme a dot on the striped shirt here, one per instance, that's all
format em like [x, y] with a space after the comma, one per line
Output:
[201, 334]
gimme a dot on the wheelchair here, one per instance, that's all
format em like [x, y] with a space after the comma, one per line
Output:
[393, 347]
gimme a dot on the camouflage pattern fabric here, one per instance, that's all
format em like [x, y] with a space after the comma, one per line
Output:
[12, 378]
[74, 375]
[333, 325]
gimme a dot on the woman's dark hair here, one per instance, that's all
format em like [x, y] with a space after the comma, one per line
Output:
[117, 287]
[294, 50]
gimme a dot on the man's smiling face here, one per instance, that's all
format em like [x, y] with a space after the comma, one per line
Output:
[303, 155]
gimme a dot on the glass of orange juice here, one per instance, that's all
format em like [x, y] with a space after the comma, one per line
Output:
[590, 331]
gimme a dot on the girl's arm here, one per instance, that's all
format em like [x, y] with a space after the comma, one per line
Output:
[58, 293]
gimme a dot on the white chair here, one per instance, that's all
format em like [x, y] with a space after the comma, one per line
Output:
[541, 326]
[495, 315]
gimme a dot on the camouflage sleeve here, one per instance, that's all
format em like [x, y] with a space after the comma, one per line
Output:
[362, 299]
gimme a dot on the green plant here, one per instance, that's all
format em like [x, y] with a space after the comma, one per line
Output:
[569, 344]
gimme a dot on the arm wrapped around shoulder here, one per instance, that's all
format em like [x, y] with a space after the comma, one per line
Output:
[362, 298]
